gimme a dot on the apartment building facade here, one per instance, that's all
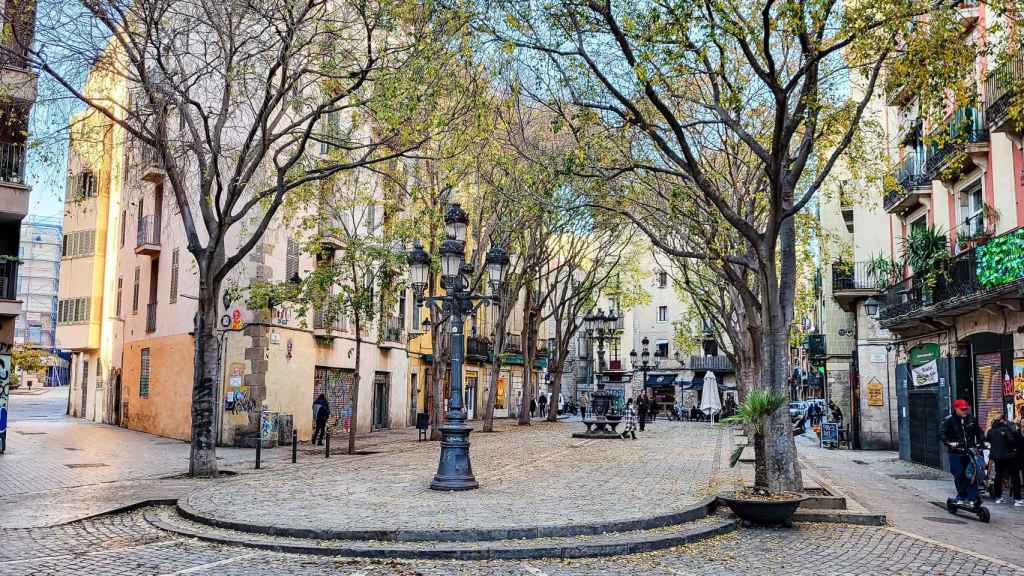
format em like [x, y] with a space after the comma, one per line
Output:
[17, 95]
[127, 300]
[38, 275]
[849, 349]
[958, 328]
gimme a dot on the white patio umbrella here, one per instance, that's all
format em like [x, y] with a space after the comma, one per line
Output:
[710, 402]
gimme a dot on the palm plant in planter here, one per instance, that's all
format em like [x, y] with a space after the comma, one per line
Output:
[926, 251]
[758, 505]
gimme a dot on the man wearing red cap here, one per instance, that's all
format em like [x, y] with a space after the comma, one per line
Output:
[962, 435]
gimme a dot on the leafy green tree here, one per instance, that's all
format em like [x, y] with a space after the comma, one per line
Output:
[650, 88]
[239, 102]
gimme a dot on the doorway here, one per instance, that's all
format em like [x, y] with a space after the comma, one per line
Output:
[469, 396]
[924, 428]
[413, 396]
[336, 386]
[381, 393]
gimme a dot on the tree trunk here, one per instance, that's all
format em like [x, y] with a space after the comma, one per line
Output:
[353, 425]
[524, 411]
[437, 375]
[206, 375]
[556, 389]
[760, 465]
[492, 389]
[780, 449]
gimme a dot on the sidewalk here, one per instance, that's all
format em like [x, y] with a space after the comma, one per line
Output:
[913, 496]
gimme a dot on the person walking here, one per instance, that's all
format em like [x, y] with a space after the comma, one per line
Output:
[837, 413]
[542, 405]
[642, 411]
[1005, 442]
[533, 407]
[583, 406]
[629, 420]
[321, 412]
[962, 436]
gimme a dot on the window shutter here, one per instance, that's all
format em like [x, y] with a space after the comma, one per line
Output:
[291, 260]
[174, 276]
[144, 373]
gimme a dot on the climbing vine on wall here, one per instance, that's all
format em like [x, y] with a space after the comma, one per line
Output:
[1001, 260]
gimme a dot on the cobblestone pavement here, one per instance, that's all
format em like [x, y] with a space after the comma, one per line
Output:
[47, 450]
[907, 493]
[125, 545]
[528, 477]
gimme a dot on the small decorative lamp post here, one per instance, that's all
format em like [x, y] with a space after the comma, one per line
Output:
[644, 365]
[871, 306]
[454, 470]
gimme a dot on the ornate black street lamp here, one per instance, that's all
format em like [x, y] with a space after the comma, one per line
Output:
[645, 365]
[454, 471]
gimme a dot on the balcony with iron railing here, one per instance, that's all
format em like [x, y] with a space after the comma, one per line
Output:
[324, 328]
[148, 236]
[1005, 85]
[14, 193]
[909, 182]
[978, 276]
[479, 348]
[716, 363]
[852, 281]
[152, 164]
[151, 317]
[513, 344]
[8, 279]
[17, 78]
[392, 332]
[965, 131]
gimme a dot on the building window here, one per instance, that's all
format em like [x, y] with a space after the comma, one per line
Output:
[662, 279]
[291, 267]
[662, 313]
[80, 243]
[662, 350]
[81, 186]
[972, 205]
[117, 304]
[124, 214]
[135, 292]
[73, 310]
[144, 373]
[174, 276]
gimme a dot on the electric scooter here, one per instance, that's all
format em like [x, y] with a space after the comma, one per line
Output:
[976, 473]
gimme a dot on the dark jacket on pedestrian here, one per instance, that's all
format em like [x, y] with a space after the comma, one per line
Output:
[642, 406]
[964, 432]
[321, 410]
[1004, 441]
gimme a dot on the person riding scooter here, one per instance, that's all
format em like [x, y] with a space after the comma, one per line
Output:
[963, 437]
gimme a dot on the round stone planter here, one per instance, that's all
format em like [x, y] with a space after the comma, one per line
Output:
[763, 512]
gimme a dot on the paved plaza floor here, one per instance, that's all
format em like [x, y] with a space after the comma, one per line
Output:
[529, 476]
[125, 544]
[532, 477]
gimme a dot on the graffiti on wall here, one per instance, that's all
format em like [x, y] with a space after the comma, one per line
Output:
[5, 388]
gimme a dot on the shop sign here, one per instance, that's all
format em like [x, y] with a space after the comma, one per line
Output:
[1018, 384]
[924, 353]
[875, 395]
[926, 374]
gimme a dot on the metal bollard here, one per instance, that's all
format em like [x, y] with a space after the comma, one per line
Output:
[259, 449]
[327, 446]
[295, 445]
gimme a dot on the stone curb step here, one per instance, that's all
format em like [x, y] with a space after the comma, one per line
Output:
[695, 512]
[839, 517]
[610, 544]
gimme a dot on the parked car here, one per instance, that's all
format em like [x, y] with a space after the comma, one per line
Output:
[798, 409]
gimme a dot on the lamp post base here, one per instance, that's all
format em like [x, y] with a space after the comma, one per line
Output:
[454, 471]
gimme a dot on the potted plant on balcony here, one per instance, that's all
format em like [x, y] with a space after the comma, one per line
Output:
[757, 504]
[885, 271]
[926, 251]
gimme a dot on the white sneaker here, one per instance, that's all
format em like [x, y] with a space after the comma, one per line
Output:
[1019, 503]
